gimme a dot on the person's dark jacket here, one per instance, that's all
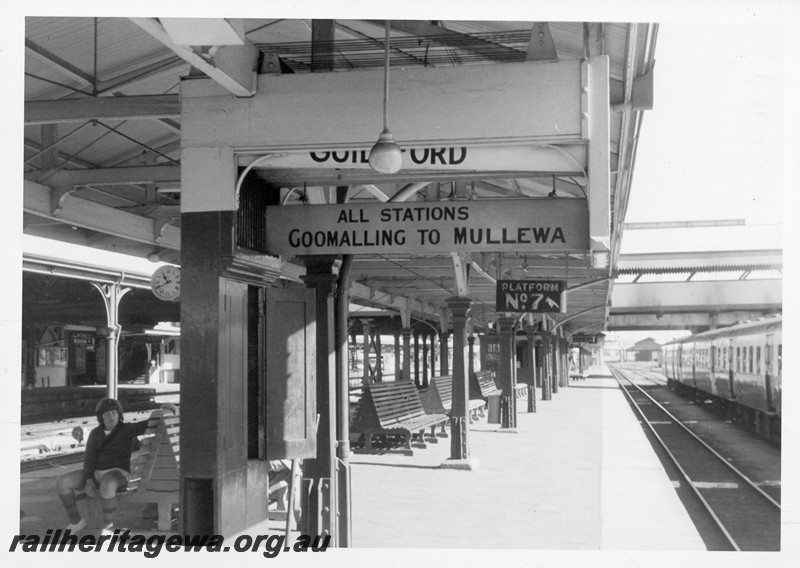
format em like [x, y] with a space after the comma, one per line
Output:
[106, 451]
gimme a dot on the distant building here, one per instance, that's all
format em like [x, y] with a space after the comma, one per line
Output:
[645, 350]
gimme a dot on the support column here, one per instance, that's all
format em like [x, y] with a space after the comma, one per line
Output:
[433, 356]
[397, 369]
[547, 392]
[224, 487]
[319, 473]
[406, 334]
[459, 420]
[556, 362]
[444, 353]
[417, 376]
[425, 361]
[506, 372]
[365, 332]
[471, 360]
[112, 294]
[530, 333]
[378, 355]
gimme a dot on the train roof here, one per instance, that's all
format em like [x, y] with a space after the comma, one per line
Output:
[738, 329]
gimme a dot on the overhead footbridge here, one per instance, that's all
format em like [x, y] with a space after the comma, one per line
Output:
[695, 290]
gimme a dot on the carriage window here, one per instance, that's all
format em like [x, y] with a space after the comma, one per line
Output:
[758, 359]
[750, 360]
[780, 357]
[738, 365]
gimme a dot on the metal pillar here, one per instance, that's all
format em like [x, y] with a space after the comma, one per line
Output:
[365, 332]
[556, 362]
[406, 334]
[459, 420]
[444, 353]
[547, 392]
[471, 360]
[112, 294]
[343, 495]
[506, 372]
[319, 473]
[417, 376]
[397, 369]
[530, 333]
[425, 361]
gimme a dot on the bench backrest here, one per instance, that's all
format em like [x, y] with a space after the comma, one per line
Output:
[444, 386]
[157, 467]
[395, 402]
[486, 382]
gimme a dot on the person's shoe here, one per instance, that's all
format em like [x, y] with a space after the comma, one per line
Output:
[77, 527]
[107, 530]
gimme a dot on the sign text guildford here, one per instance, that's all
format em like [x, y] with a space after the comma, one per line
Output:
[531, 296]
[429, 227]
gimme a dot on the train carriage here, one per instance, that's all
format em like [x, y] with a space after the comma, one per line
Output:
[738, 367]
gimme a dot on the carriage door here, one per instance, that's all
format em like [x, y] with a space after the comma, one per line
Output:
[712, 365]
[730, 368]
[768, 371]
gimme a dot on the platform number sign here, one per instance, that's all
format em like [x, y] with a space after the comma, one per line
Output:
[532, 296]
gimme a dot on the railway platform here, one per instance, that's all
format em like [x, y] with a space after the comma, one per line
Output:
[577, 475]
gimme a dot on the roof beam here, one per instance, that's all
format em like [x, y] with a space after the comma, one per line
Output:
[79, 212]
[232, 66]
[58, 64]
[443, 36]
[102, 108]
[541, 46]
[116, 176]
[391, 301]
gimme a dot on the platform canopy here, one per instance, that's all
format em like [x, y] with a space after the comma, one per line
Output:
[106, 101]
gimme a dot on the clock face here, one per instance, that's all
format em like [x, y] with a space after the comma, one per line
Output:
[166, 282]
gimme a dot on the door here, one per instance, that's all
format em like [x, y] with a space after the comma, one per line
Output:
[290, 354]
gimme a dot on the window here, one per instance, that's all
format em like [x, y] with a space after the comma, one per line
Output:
[750, 360]
[758, 359]
[738, 365]
[780, 357]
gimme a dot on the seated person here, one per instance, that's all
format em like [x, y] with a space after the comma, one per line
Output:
[281, 471]
[106, 463]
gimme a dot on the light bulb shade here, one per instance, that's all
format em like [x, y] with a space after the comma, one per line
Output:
[386, 156]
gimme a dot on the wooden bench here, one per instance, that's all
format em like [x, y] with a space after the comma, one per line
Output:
[391, 410]
[486, 384]
[489, 387]
[438, 399]
[155, 471]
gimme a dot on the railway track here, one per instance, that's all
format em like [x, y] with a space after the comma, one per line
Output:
[731, 511]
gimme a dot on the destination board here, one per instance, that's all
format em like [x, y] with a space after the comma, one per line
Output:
[531, 296]
[491, 225]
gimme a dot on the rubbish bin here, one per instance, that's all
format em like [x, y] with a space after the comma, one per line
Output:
[493, 402]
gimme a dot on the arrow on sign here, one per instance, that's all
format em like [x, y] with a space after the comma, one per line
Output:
[551, 303]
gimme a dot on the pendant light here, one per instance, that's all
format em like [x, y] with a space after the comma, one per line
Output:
[385, 156]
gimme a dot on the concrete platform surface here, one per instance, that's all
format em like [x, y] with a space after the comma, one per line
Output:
[579, 474]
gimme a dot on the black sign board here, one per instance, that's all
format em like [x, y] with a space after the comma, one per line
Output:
[532, 296]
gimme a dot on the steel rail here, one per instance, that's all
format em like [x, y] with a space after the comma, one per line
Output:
[716, 454]
[690, 483]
